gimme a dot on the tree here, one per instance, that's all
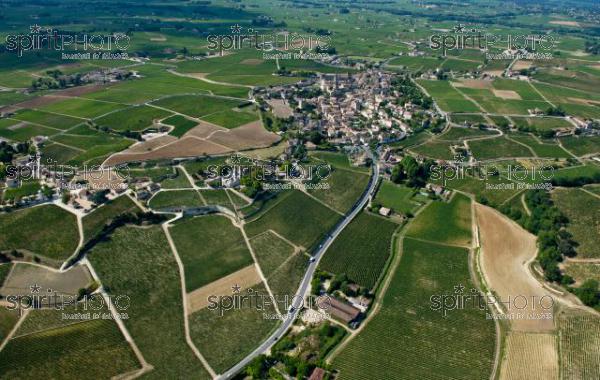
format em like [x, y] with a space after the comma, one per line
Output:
[588, 293]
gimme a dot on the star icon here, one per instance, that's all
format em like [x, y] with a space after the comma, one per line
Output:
[35, 288]
[459, 288]
[236, 288]
[34, 29]
[459, 28]
[236, 29]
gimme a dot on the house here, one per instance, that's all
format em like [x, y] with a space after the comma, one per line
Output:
[384, 211]
[342, 310]
[317, 374]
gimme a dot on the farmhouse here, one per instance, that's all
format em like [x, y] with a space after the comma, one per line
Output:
[342, 310]
[317, 374]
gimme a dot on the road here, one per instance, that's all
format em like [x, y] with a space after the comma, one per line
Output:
[305, 284]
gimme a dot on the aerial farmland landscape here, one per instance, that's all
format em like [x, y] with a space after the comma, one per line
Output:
[300, 189]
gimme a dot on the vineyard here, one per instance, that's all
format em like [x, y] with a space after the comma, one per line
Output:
[433, 223]
[407, 339]
[361, 250]
[530, 355]
[579, 345]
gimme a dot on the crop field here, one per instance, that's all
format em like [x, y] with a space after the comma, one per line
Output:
[83, 108]
[298, 218]
[530, 355]
[90, 148]
[134, 262]
[447, 97]
[231, 119]
[582, 271]
[345, 187]
[22, 131]
[361, 250]
[181, 125]
[4, 270]
[197, 105]
[500, 147]
[541, 123]
[415, 63]
[337, 160]
[579, 341]
[581, 146]
[176, 180]
[103, 215]
[460, 134]
[471, 119]
[397, 197]
[271, 251]
[222, 252]
[456, 232]
[225, 339]
[216, 197]
[63, 283]
[47, 119]
[77, 350]
[136, 118]
[583, 224]
[8, 319]
[434, 149]
[47, 231]
[285, 280]
[401, 339]
[175, 199]
[541, 149]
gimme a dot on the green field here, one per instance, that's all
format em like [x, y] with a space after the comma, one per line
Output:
[46, 230]
[459, 134]
[94, 222]
[445, 223]
[79, 350]
[407, 339]
[197, 105]
[540, 148]
[271, 251]
[298, 218]
[231, 118]
[581, 145]
[181, 125]
[47, 119]
[584, 220]
[226, 339]
[84, 108]
[21, 131]
[434, 149]
[397, 197]
[499, 147]
[579, 337]
[361, 250]
[345, 188]
[132, 119]
[222, 250]
[216, 197]
[138, 263]
[175, 199]
[541, 123]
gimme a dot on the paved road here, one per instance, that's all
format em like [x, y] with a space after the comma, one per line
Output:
[305, 285]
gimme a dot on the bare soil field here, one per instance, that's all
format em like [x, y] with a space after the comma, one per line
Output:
[55, 97]
[251, 135]
[565, 23]
[520, 65]
[507, 94]
[244, 278]
[280, 108]
[24, 276]
[150, 145]
[252, 61]
[506, 250]
[204, 130]
[530, 356]
[474, 83]
[185, 147]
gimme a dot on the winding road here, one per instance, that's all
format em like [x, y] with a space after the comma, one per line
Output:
[305, 284]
